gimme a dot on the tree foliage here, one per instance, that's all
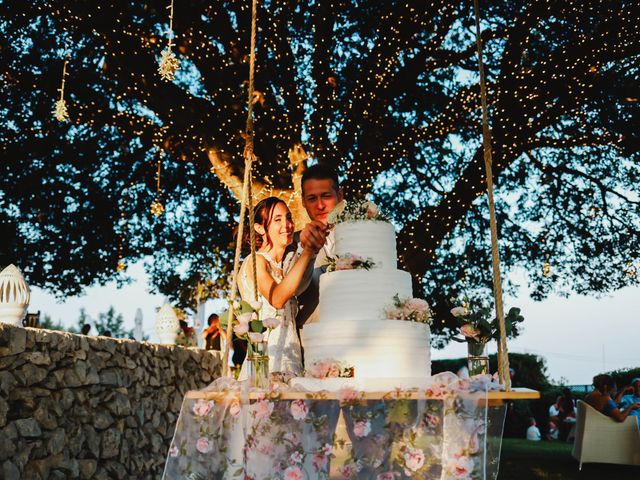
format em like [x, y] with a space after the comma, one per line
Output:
[387, 92]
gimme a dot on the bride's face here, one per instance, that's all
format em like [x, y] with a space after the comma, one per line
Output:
[280, 229]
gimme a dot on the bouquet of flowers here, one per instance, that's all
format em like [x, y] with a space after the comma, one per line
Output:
[411, 309]
[476, 325]
[355, 210]
[247, 324]
[349, 262]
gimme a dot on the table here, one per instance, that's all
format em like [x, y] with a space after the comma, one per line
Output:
[451, 430]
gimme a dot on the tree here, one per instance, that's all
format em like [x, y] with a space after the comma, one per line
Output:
[109, 321]
[49, 324]
[387, 92]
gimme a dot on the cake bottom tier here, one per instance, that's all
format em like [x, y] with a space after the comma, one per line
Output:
[376, 349]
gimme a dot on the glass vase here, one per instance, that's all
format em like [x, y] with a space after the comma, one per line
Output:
[259, 366]
[477, 360]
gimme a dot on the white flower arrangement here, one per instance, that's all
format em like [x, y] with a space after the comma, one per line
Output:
[349, 261]
[355, 210]
[409, 309]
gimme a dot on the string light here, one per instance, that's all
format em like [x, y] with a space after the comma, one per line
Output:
[157, 208]
[60, 111]
[168, 61]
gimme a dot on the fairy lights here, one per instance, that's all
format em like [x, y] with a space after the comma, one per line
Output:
[168, 61]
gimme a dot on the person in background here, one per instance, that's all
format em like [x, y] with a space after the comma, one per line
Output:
[630, 395]
[105, 333]
[186, 336]
[212, 334]
[601, 400]
[86, 328]
[533, 432]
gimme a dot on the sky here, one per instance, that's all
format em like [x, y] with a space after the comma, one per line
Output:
[578, 336]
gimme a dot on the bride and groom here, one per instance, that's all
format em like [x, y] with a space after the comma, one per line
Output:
[289, 265]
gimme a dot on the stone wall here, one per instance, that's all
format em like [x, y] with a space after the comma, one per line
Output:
[73, 406]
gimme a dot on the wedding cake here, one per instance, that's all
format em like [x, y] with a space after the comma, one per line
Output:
[372, 334]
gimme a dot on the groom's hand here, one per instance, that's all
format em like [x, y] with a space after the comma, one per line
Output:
[313, 236]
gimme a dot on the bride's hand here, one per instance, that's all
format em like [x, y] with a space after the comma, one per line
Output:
[313, 236]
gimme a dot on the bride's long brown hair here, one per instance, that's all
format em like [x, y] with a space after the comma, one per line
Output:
[262, 215]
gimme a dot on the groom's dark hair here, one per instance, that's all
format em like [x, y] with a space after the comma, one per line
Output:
[320, 171]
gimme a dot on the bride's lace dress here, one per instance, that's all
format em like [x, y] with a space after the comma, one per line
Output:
[283, 346]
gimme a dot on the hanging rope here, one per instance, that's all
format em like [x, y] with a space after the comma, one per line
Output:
[503, 356]
[246, 200]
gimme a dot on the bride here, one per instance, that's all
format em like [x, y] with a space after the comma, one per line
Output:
[274, 228]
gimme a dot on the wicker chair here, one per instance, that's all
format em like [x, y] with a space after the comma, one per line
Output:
[600, 439]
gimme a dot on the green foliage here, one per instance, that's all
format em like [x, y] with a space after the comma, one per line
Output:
[107, 321]
[624, 376]
[48, 323]
[387, 92]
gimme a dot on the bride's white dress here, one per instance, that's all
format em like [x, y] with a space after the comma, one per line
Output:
[283, 345]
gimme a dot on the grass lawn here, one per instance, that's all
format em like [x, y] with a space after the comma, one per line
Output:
[525, 460]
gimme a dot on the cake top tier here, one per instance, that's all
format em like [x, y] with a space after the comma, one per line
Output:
[373, 240]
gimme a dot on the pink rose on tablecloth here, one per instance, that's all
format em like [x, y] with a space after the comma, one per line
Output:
[263, 409]
[326, 450]
[436, 391]
[293, 473]
[469, 331]
[414, 459]
[241, 328]
[234, 408]
[362, 428]
[347, 394]
[461, 467]
[348, 470]
[386, 476]
[431, 420]
[319, 462]
[203, 445]
[295, 458]
[202, 407]
[459, 311]
[173, 451]
[299, 409]
[271, 322]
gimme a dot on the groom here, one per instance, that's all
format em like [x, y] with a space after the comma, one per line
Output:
[321, 192]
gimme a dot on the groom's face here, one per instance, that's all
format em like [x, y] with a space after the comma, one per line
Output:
[319, 197]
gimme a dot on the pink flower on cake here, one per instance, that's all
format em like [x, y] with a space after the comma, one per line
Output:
[386, 476]
[293, 473]
[202, 407]
[414, 459]
[344, 263]
[245, 317]
[416, 305]
[256, 305]
[372, 210]
[203, 445]
[234, 408]
[347, 394]
[469, 331]
[362, 428]
[333, 371]
[461, 467]
[319, 369]
[262, 409]
[271, 322]
[299, 409]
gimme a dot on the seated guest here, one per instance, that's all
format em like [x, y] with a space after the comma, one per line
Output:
[625, 399]
[553, 433]
[554, 411]
[601, 400]
[533, 432]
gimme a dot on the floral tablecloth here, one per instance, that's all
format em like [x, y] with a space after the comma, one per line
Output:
[229, 431]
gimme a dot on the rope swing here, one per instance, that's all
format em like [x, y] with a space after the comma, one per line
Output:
[503, 357]
[246, 200]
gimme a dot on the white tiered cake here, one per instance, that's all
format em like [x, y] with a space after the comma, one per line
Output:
[353, 328]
